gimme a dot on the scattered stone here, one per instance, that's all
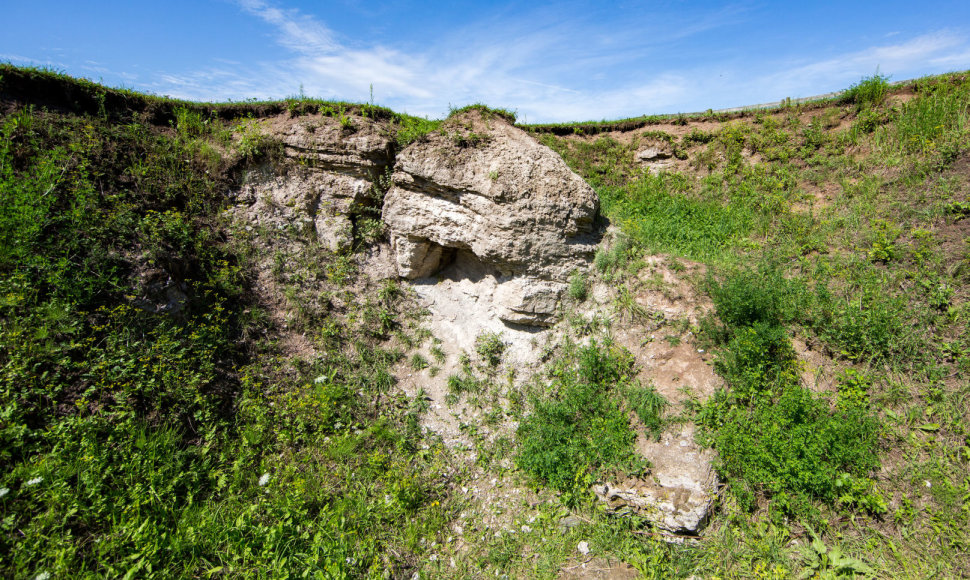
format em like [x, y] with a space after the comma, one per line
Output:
[570, 521]
[529, 302]
[678, 495]
[652, 153]
[583, 548]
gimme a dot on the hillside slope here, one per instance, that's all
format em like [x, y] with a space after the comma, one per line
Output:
[218, 356]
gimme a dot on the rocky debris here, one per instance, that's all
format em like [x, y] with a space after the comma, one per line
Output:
[600, 569]
[678, 495]
[656, 157]
[652, 154]
[529, 302]
[330, 179]
[483, 185]
[159, 292]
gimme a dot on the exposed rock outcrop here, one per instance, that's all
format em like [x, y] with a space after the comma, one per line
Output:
[483, 185]
[680, 491]
[331, 176]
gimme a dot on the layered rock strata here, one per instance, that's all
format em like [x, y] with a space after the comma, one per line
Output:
[332, 175]
[480, 184]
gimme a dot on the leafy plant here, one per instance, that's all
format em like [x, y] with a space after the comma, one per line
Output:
[824, 561]
[581, 431]
[490, 348]
[578, 286]
[649, 405]
[868, 93]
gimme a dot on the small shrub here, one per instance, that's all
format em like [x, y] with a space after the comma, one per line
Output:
[459, 384]
[437, 353]
[749, 297]
[649, 405]
[867, 93]
[580, 432]
[853, 390]
[418, 362]
[411, 129]
[792, 448]
[867, 327]
[578, 286]
[490, 347]
[614, 257]
[758, 360]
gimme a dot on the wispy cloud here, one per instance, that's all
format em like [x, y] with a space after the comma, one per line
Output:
[503, 65]
[559, 70]
[299, 32]
[803, 79]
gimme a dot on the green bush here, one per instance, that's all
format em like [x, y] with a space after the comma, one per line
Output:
[792, 449]
[490, 348]
[867, 93]
[775, 438]
[868, 326]
[581, 431]
[609, 259]
[649, 405]
[578, 286]
[748, 297]
[758, 360]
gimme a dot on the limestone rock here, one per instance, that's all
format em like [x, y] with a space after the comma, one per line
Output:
[362, 148]
[328, 179]
[678, 495]
[652, 154]
[416, 258]
[483, 185]
[529, 301]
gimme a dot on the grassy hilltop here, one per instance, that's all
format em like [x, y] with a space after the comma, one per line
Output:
[155, 424]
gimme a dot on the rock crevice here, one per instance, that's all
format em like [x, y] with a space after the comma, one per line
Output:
[509, 200]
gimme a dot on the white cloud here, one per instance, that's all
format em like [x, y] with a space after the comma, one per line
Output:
[557, 71]
[902, 58]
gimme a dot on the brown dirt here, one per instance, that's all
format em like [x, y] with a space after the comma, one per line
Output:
[664, 346]
[599, 568]
[818, 370]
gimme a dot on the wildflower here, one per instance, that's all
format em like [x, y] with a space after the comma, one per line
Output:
[263, 479]
[4, 491]
[34, 481]
[42, 576]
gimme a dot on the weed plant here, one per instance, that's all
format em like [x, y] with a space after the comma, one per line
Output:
[868, 93]
[582, 433]
[141, 433]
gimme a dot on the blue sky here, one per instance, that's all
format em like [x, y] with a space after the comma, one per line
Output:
[561, 61]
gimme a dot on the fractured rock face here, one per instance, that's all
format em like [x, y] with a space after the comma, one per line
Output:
[331, 177]
[416, 257]
[506, 198]
[528, 301]
[678, 495]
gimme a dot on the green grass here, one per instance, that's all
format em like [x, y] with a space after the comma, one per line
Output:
[581, 432]
[153, 426]
[656, 212]
[149, 434]
[868, 93]
[776, 440]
